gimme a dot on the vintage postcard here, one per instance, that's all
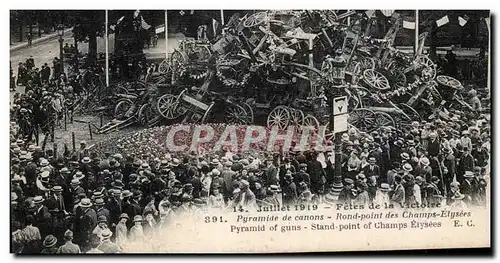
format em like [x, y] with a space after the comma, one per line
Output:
[249, 131]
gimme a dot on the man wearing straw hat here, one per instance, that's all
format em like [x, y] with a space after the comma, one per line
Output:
[42, 216]
[49, 245]
[86, 223]
[106, 246]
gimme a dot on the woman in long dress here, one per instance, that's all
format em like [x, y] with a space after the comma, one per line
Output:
[382, 195]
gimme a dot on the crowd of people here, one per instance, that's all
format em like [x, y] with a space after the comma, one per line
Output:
[84, 203]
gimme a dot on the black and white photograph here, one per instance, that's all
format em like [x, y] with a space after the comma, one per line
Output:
[133, 130]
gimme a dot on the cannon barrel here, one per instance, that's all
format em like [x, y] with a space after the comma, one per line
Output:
[313, 69]
[261, 43]
[327, 38]
[386, 110]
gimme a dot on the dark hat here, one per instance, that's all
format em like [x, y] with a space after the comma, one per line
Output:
[137, 193]
[102, 219]
[49, 241]
[188, 186]
[124, 215]
[274, 188]
[185, 198]
[237, 167]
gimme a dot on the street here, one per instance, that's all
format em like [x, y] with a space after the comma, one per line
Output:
[46, 51]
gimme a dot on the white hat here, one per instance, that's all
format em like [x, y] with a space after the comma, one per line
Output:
[215, 172]
[425, 161]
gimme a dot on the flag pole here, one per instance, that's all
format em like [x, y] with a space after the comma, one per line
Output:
[222, 16]
[166, 35]
[106, 39]
[348, 19]
[415, 47]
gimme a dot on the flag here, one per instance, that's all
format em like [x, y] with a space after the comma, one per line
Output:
[408, 25]
[144, 25]
[192, 12]
[462, 21]
[370, 13]
[442, 21]
[120, 20]
[387, 12]
[136, 13]
[160, 29]
[181, 13]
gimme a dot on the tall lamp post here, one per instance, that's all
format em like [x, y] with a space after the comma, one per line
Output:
[60, 32]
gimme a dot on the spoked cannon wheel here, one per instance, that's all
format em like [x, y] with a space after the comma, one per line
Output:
[311, 121]
[178, 58]
[280, 117]
[255, 19]
[327, 133]
[363, 119]
[356, 73]
[428, 64]
[410, 114]
[449, 82]
[399, 79]
[236, 114]
[168, 107]
[122, 107]
[146, 114]
[164, 67]
[249, 111]
[296, 117]
[383, 119]
[367, 63]
[375, 80]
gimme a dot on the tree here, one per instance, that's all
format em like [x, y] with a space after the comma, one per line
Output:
[87, 26]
